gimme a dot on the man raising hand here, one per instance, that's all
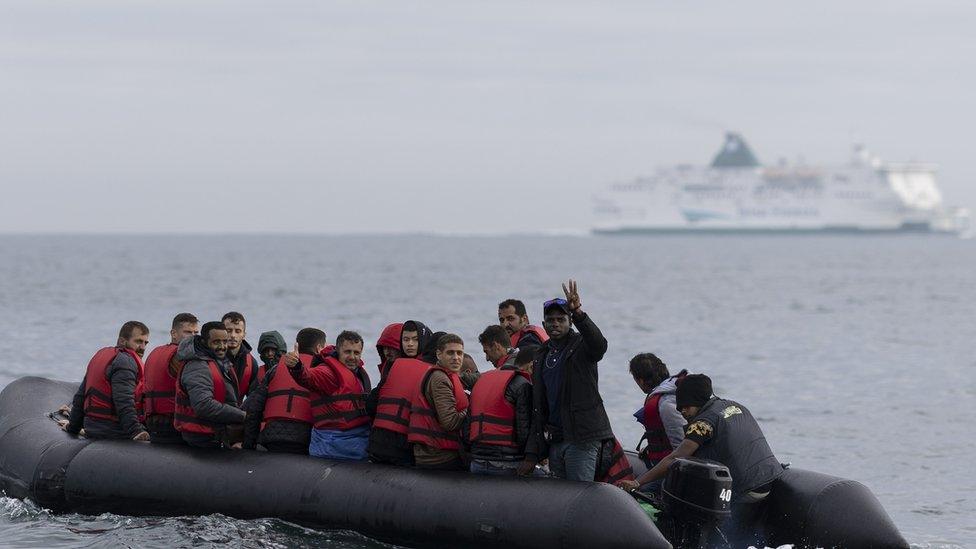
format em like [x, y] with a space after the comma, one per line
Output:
[567, 410]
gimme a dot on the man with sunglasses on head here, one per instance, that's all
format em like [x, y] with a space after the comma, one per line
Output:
[568, 419]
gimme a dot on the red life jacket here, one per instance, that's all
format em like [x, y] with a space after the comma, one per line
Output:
[396, 394]
[492, 415]
[658, 444]
[288, 400]
[98, 388]
[539, 332]
[185, 419]
[159, 387]
[250, 373]
[424, 427]
[345, 408]
[619, 466]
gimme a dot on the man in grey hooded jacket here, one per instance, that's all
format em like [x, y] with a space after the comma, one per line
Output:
[652, 376]
[197, 381]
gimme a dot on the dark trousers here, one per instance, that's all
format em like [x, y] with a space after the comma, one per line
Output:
[161, 430]
[286, 448]
[454, 465]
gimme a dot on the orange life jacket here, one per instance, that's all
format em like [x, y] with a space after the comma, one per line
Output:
[539, 332]
[159, 387]
[658, 444]
[492, 416]
[619, 469]
[345, 408]
[185, 419]
[424, 427]
[395, 398]
[286, 399]
[250, 373]
[98, 388]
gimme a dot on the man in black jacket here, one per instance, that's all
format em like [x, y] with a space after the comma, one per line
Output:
[498, 443]
[567, 410]
[123, 373]
[725, 431]
[223, 416]
[721, 430]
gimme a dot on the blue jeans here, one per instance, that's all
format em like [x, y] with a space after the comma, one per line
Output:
[574, 460]
[349, 445]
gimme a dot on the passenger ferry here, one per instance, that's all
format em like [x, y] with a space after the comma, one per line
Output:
[736, 194]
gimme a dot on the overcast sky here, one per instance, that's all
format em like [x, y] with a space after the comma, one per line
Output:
[449, 116]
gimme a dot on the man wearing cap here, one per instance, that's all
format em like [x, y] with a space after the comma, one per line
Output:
[724, 431]
[568, 419]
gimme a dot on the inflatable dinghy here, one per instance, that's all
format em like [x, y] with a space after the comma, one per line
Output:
[404, 506]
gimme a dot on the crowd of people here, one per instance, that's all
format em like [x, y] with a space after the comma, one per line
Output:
[539, 405]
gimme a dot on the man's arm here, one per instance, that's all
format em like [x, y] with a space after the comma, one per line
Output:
[674, 422]
[254, 408]
[199, 387]
[123, 375]
[687, 448]
[320, 380]
[697, 433]
[594, 344]
[440, 392]
[76, 419]
[519, 393]
[535, 446]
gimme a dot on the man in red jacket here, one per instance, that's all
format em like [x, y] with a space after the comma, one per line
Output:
[339, 388]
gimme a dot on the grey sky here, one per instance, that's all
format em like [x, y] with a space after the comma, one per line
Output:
[448, 116]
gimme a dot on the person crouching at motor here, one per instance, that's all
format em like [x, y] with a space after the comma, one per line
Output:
[279, 410]
[500, 416]
[724, 431]
[439, 410]
[339, 388]
[105, 402]
[207, 413]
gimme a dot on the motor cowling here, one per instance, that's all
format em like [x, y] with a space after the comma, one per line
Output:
[697, 491]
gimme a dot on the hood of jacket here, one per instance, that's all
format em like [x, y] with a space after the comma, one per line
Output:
[670, 385]
[424, 336]
[272, 339]
[390, 337]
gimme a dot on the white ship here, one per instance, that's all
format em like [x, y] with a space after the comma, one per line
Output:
[736, 194]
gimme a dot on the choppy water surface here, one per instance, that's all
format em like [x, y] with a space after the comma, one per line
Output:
[856, 354]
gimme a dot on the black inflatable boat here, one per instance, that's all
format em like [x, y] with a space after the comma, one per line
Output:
[408, 507]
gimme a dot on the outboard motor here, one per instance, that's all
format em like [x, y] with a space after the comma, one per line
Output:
[696, 497]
